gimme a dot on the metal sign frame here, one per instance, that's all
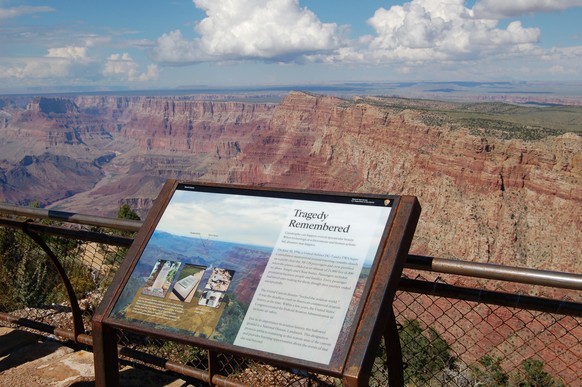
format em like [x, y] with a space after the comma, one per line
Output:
[374, 318]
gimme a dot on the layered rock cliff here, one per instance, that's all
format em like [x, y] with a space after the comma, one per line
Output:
[486, 196]
[483, 198]
[183, 126]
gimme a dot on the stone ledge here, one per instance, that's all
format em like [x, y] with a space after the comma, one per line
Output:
[28, 360]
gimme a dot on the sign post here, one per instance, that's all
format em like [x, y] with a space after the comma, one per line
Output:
[294, 278]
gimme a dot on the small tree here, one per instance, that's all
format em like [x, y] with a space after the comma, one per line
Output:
[125, 212]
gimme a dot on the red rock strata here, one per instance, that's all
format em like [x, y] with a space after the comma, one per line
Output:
[484, 198]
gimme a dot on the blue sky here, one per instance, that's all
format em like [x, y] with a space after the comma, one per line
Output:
[68, 45]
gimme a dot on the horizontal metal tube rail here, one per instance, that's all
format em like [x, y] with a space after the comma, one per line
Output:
[87, 236]
[496, 272]
[440, 265]
[71, 217]
[471, 269]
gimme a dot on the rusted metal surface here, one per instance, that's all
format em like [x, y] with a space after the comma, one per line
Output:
[105, 355]
[212, 364]
[83, 235]
[378, 307]
[42, 327]
[535, 277]
[550, 278]
[372, 318]
[105, 351]
[78, 326]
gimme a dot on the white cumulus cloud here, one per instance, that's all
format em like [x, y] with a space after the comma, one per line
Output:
[123, 66]
[57, 63]
[272, 30]
[36, 68]
[70, 53]
[172, 47]
[497, 9]
[6, 13]
[425, 30]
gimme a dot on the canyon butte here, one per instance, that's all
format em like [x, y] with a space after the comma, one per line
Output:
[498, 183]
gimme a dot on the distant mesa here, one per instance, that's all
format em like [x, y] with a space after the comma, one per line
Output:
[48, 105]
[443, 90]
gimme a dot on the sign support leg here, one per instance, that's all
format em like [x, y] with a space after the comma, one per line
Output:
[393, 351]
[105, 356]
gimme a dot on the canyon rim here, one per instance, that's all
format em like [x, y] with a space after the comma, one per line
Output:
[493, 189]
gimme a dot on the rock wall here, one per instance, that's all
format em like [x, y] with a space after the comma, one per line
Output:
[170, 125]
[484, 198]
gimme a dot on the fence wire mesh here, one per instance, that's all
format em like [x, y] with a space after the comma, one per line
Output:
[445, 341]
[31, 287]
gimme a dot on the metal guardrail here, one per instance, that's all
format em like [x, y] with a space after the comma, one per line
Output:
[84, 235]
[496, 272]
[18, 218]
[439, 265]
[496, 298]
[71, 217]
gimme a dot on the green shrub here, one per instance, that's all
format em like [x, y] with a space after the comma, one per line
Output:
[492, 374]
[535, 376]
[425, 353]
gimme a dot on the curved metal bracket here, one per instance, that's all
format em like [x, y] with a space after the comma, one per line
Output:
[78, 326]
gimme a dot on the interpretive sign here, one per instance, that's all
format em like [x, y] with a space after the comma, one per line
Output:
[254, 271]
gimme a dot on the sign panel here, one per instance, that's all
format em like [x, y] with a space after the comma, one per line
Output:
[278, 272]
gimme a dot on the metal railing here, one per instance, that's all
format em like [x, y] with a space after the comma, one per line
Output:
[451, 334]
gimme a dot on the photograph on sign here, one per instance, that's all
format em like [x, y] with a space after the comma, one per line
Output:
[187, 283]
[282, 275]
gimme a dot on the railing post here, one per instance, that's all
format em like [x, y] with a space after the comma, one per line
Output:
[212, 366]
[393, 349]
[78, 326]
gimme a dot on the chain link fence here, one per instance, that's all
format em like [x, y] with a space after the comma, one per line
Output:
[448, 341]
[445, 341]
[31, 287]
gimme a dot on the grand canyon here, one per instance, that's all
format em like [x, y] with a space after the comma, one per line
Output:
[497, 182]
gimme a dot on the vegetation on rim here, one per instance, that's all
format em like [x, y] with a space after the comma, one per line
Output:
[501, 120]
